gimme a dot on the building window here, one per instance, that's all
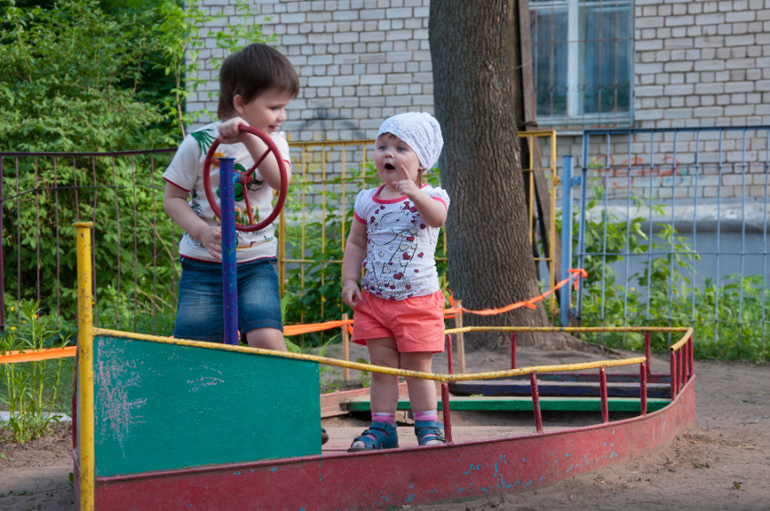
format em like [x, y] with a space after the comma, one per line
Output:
[582, 53]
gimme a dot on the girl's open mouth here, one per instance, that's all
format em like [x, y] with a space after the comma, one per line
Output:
[389, 166]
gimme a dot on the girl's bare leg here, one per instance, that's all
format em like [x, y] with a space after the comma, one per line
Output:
[384, 388]
[422, 393]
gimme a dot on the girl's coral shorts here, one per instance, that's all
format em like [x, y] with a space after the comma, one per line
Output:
[417, 323]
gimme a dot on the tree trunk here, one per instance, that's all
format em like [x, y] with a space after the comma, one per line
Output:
[490, 254]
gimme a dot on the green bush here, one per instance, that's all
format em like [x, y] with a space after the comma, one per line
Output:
[84, 75]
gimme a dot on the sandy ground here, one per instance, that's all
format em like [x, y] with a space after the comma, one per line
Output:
[723, 463]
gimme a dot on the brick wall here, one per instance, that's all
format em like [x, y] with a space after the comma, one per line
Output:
[697, 64]
[359, 62]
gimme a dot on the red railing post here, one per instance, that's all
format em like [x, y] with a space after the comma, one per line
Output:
[647, 352]
[643, 388]
[673, 376]
[450, 362]
[679, 372]
[691, 359]
[536, 402]
[445, 411]
[603, 393]
[513, 350]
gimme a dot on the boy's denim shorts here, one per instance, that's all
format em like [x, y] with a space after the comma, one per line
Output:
[200, 315]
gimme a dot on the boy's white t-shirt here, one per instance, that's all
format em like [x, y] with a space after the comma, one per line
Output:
[400, 247]
[186, 172]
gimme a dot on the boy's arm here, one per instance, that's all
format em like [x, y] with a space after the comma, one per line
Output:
[256, 147]
[175, 204]
[355, 253]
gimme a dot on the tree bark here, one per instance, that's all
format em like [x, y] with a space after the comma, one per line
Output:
[490, 254]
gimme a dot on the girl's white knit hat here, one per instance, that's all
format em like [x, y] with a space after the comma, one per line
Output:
[420, 131]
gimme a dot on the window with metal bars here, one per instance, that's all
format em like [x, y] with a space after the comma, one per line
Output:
[582, 58]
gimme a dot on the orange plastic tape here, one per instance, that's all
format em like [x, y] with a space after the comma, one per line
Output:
[574, 273]
[314, 327]
[37, 355]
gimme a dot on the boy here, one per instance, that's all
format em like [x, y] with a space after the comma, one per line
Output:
[256, 85]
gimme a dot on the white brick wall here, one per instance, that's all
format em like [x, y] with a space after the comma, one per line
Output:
[697, 64]
[359, 61]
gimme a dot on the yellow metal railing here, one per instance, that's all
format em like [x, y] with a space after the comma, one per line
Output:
[322, 162]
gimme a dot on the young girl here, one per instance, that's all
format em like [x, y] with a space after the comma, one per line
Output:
[399, 313]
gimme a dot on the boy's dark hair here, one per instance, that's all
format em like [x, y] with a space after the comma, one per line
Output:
[252, 71]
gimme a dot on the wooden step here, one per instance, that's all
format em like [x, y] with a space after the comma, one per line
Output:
[547, 403]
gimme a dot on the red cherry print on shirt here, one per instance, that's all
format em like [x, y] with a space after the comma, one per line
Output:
[364, 264]
[371, 218]
[422, 226]
[417, 271]
[420, 254]
[398, 276]
[410, 238]
[413, 209]
[406, 256]
[390, 263]
[408, 286]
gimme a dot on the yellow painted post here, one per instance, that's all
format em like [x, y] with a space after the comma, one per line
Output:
[345, 348]
[460, 339]
[85, 367]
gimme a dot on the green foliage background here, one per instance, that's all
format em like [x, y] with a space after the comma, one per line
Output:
[96, 76]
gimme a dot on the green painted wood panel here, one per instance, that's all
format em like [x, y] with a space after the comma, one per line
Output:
[571, 404]
[161, 406]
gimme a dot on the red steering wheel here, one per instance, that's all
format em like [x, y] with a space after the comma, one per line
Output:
[246, 178]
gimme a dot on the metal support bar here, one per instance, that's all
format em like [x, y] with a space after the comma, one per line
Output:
[603, 393]
[568, 182]
[536, 402]
[85, 410]
[445, 411]
[643, 388]
[647, 352]
[673, 376]
[513, 350]
[450, 362]
[229, 266]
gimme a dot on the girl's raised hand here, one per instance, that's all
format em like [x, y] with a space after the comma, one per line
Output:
[351, 294]
[405, 186]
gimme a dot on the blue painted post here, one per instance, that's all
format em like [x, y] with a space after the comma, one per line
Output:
[229, 267]
[566, 235]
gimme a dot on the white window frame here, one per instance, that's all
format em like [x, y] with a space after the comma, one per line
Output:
[576, 72]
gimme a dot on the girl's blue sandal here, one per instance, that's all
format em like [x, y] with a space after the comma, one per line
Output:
[427, 431]
[385, 437]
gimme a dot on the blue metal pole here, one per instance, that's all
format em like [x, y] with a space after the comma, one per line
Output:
[566, 235]
[229, 269]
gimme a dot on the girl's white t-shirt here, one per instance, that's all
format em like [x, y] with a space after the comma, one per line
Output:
[400, 247]
[186, 172]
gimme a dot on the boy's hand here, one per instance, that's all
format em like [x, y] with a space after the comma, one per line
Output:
[351, 295]
[211, 237]
[229, 132]
[405, 185]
